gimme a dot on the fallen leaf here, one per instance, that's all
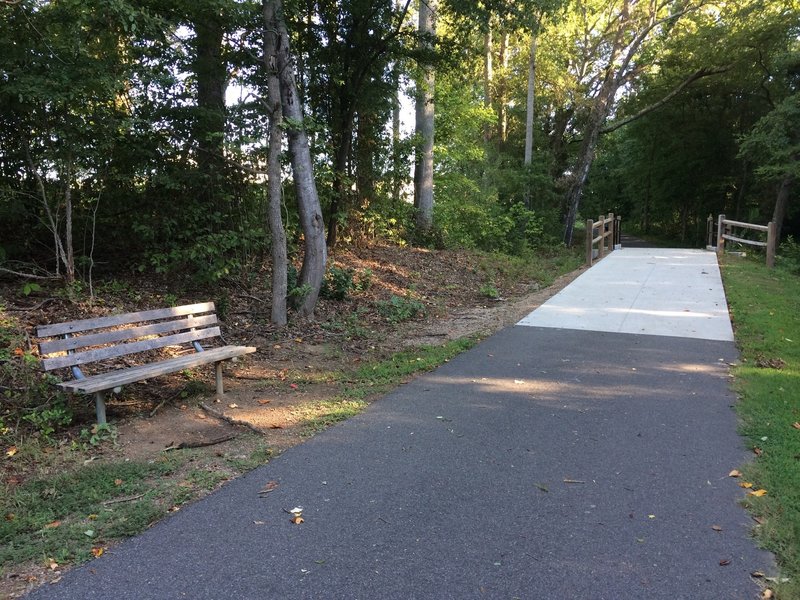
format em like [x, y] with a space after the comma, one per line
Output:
[716, 528]
[268, 487]
[293, 386]
[92, 517]
[651, 516]
[10, 516]
[758, 451]
[767, 594]
[233, 405]
[53, 565]
[264, 401]
[297, 520]
[89, 533]
[541, 487]
[98, 551]
[277, 346]
[796, 424]
[201, 416]
[724, 562]
[298, 340]
[759, 520]
[12, 450]
[735, 473]
[756, 574]
[118, 482]
[276, 426]
[53, 525]
[746, 485]
[18, 351]
[758, 493]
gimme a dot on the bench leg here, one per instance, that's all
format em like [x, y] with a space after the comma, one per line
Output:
[218, 372]
[100, 407]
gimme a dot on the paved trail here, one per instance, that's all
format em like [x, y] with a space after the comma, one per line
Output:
[581, 454]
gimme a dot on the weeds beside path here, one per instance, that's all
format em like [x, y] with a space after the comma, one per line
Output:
[765, 309]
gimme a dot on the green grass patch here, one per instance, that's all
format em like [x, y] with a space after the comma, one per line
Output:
[765, 307]
[543, 267]
[377, 378]
[64, 516]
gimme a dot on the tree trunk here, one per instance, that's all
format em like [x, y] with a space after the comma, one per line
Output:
[340, 177]
[315, 253]
[502, 100]
[210, 71]
[488, 76]
[275, 114]
[397, 164]
[781, 204]
[423, 176]
[529, 114]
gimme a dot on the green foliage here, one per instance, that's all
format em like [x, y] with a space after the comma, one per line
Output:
[489, 290]
[31, 401]
[789, 255]
[339, 283]
[400, 308]
[766, 316]
[97, 435]
[470, 220]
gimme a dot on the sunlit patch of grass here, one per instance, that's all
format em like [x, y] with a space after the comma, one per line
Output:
[373, 379]
[765, 308]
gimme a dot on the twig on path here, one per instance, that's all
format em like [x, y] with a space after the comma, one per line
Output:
[573, 481]
[231, 420]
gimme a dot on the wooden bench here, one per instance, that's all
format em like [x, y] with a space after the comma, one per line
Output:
[99, 341]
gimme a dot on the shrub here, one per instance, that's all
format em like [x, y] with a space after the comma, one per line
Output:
[400, 308]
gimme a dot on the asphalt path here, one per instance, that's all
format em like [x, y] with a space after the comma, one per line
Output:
[544, 463]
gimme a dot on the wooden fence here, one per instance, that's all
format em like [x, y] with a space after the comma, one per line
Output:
[725, 229]
[608, 232]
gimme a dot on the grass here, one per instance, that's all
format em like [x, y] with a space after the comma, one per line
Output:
[765, 308]
[375, 378]
[73, 511]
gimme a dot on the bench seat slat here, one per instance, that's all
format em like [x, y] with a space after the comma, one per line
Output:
[129, 333]
[82, 358]
[112, 379]
[123, 319]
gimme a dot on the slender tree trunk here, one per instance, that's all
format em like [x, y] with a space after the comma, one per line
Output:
[340, 177]
[781, 204]
[315, 253]
[210, 70]
[529, 115]
[502, 93]
[275, 113]
[488, 77]
[425, 125]
[397, 165]
[69, 247]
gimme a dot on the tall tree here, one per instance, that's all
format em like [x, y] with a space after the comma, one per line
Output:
[274, 171]
[315, 253]
[423, 176]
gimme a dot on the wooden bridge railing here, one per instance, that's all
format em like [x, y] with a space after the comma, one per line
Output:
[608, 232]
[724, 232]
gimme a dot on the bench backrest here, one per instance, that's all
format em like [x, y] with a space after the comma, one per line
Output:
[92, 340]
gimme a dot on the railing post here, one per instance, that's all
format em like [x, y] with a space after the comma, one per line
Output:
[611, 234]
[618, 233]
[589, 238]
[709, 231]
[720, 233]
[771, 243]
[601, 250]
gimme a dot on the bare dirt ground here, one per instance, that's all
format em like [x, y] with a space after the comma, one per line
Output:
[276, 392]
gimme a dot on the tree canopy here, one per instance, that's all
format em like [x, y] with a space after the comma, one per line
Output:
[135, 135]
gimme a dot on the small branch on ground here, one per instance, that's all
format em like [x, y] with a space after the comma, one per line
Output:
[202, 443]
[231, 420]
